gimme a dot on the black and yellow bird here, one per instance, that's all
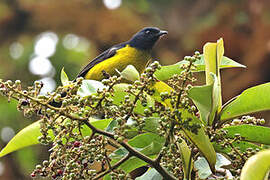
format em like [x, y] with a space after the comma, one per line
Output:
[136, 52]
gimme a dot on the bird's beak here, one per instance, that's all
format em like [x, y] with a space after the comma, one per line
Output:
[161, 33]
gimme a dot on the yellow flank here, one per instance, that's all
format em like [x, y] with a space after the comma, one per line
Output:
[123, 57]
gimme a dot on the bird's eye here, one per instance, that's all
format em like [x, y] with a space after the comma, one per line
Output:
[147, 32]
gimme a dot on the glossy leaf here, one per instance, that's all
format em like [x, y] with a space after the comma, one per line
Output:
[213, 53]
[26, 137]
[132, 163]
[252, 100]
[89, 87]
[210, 58]
[186, 160]
[151, 124]
[203, 168]
[241, 145]
[251, 133]
[143, 140]
[151, 174]
[220, 53]
[149, 144]
[206, 100]
[111, 126]
[130, 73]
[64, 78]
[166, 72]
[257, 166]
[201, 140]
[29, 135]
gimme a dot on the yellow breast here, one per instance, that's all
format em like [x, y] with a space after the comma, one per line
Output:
[123, 57]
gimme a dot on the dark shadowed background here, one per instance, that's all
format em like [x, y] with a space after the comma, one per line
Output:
[39, 38]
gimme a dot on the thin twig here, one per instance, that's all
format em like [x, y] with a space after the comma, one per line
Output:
[165, 174]
[237, 152]
[132, 152]
[182, 86]
[157, 160]
[103, 97]
[134, 103]
[115, 166]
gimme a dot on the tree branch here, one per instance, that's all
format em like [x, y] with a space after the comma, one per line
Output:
[115, 166]
[132, 152]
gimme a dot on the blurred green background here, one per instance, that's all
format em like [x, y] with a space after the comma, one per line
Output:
[38, 38]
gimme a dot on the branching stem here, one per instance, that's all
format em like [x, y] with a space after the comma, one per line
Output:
[182, 85]
[132, 152]
[115, 166]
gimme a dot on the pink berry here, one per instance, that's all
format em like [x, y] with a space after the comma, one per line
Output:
[76, 144]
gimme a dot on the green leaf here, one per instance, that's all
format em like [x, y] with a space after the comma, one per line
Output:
[89, 87]
[251, 133]
[210, 58]
[220, 51]
[185, 155]
[29, 135]
[203, 168]
[132, 163]
[151, 124]
[252, 100]
[149, 144]
[206, 100]
[119, 153]
[201, 140]
[26, 137]
[98, 123]
[64, 78]
[107, 177]
[213, 53]
[225, 63]
[130, 73]
[151, 174]
[111, 126]
[166, 72]
[143, 140]
[242, 145]
[229, 63]
[257, 166]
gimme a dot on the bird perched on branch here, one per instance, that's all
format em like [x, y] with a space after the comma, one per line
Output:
[136, 52]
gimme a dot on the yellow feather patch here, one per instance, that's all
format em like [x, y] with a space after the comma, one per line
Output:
[123, 57]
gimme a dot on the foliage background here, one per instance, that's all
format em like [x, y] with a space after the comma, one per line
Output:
[80, 29]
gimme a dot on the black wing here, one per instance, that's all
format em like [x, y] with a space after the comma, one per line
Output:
[103, 56]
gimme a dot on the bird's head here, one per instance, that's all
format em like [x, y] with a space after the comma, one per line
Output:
[146, 38]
